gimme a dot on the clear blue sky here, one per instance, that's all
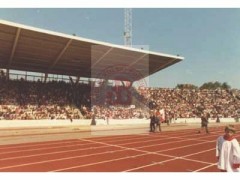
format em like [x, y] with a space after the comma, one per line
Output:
[209, 39]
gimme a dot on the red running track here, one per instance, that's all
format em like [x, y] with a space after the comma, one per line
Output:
[172, 151]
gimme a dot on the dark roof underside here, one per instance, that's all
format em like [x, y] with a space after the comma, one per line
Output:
[36, 50]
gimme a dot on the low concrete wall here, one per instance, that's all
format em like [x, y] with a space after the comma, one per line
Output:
[41, 123]
[122, 121]
[76, 122]
[198, 120]
[84, 122]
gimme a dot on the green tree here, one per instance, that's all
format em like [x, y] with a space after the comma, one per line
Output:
[215, 85]
[186, 86]
[225, 86]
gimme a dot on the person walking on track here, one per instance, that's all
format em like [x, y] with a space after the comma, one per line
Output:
[204, 123]
[158, 120]
[152, 121]
[228, 151]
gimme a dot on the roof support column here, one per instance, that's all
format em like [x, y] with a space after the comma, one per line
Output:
[45, 78]
[27, 75]
[60, 54]
[77, 79]
[14, 46]
[7, 74]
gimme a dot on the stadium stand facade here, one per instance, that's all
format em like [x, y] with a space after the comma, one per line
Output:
[21, 99]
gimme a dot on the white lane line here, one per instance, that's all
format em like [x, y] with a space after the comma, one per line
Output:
[184, 157]
[116, 137]
[34, 145]
[214, 164]
[160, 138]
[198, 136]
[162, 141]
[79, 144]
[199, 152]
[42, 154]
[14, 146]
[100, 162]
[68, 142]
[107, 145]
[152, 164]
[146, 139]
[54, 160]
[128, 139]
[147, 152]
[169, 138]
[152, 145]
[193, 160]
[52, 153]
[119, 136]
[45, 148]
[123, 138]
[43, 144]
[126, 148]
[160, 162]
[181, 157]
[190, 145]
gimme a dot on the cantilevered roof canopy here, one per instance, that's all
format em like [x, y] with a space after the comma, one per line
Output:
[37, 50]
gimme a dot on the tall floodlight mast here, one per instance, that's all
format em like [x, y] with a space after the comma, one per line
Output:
[128, 27]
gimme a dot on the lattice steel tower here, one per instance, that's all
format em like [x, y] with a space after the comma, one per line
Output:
[127, 27]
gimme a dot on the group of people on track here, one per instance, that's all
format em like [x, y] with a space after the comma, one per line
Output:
[156, 118]
[227, 146]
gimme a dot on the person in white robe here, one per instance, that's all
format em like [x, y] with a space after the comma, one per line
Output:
[228, 151]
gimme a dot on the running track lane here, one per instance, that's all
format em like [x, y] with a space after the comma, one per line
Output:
[117, 157]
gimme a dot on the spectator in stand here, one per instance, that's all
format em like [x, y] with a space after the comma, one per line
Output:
[228, 151]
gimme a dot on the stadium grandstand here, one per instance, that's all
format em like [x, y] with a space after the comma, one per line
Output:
[50, 75]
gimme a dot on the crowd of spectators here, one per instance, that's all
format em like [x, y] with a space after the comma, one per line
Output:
[120, 112]
[21, 99]
[190, 103]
